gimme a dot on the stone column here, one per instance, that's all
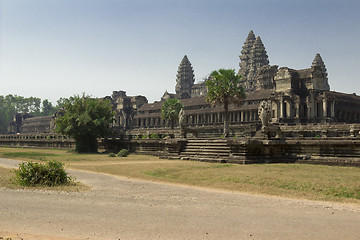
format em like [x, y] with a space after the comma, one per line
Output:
[281, 107]
[308, 110]
[120, 121]
[297, 110]
[324, 108]
[274, 106]
[333, 109]
[291, 109]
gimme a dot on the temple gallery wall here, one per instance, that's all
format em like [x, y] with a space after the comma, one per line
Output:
[305, 119]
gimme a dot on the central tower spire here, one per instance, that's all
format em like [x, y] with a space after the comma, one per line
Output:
[184, 78]
[253, 57]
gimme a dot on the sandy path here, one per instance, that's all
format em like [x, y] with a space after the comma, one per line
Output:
[120, 208]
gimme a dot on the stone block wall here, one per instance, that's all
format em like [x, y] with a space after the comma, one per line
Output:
[37, 141]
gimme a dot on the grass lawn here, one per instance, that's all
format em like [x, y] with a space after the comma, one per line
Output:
[329, 183]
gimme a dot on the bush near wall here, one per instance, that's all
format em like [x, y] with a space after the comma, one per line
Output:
[123, 153]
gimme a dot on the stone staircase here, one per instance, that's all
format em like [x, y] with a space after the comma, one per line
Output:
[206, 150]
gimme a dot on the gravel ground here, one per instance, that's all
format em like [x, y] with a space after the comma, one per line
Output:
[121, 208]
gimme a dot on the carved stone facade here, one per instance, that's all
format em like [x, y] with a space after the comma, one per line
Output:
[125, 108]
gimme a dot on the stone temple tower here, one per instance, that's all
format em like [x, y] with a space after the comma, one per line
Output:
[253, 57]
[319, 74]
[184, 79]
[245, 54]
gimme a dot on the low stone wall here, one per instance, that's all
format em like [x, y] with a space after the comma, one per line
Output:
[204, 131]
[321, 130]
[343, 152]
[158, 147]
[330, 151]
[36, 141]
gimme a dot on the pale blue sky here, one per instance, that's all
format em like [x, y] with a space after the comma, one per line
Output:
[58, 48]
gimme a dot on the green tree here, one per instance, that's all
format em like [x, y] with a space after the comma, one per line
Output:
[170, 110]
[224, 88]
[85, 119]
[32, 105]
[60, 103]
[5, 115]
[47, 108]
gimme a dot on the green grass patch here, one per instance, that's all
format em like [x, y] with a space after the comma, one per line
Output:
[316, 182]
[32, 155]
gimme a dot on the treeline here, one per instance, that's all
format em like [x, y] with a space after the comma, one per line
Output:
[12, 104]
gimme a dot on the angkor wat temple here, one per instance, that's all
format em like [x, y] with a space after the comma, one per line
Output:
[296, 97]
[305, 121]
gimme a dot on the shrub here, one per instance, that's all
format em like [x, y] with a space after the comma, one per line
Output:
[144, 137]
[123, 153]
[51, 173]
[154, 136]
[112, 155]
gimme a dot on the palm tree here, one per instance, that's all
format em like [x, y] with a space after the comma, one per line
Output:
[170, 110]
[224, 88]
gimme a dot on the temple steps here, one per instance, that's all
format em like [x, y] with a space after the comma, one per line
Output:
[206, 150]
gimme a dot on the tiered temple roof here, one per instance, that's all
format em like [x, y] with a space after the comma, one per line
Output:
[253, 57]
[184, 78]
[318, 62]
[245, 54]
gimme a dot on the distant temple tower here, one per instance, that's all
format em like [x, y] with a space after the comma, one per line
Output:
[253, 57]
[184, 78]
[319, 74]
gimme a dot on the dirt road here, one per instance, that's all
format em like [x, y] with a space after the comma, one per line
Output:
[120, 208]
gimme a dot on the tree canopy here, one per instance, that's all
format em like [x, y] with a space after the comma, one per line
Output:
[170, 110]
[85, 119]
[223, 89]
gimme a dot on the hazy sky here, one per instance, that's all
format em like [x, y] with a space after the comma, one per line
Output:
[58, 48]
